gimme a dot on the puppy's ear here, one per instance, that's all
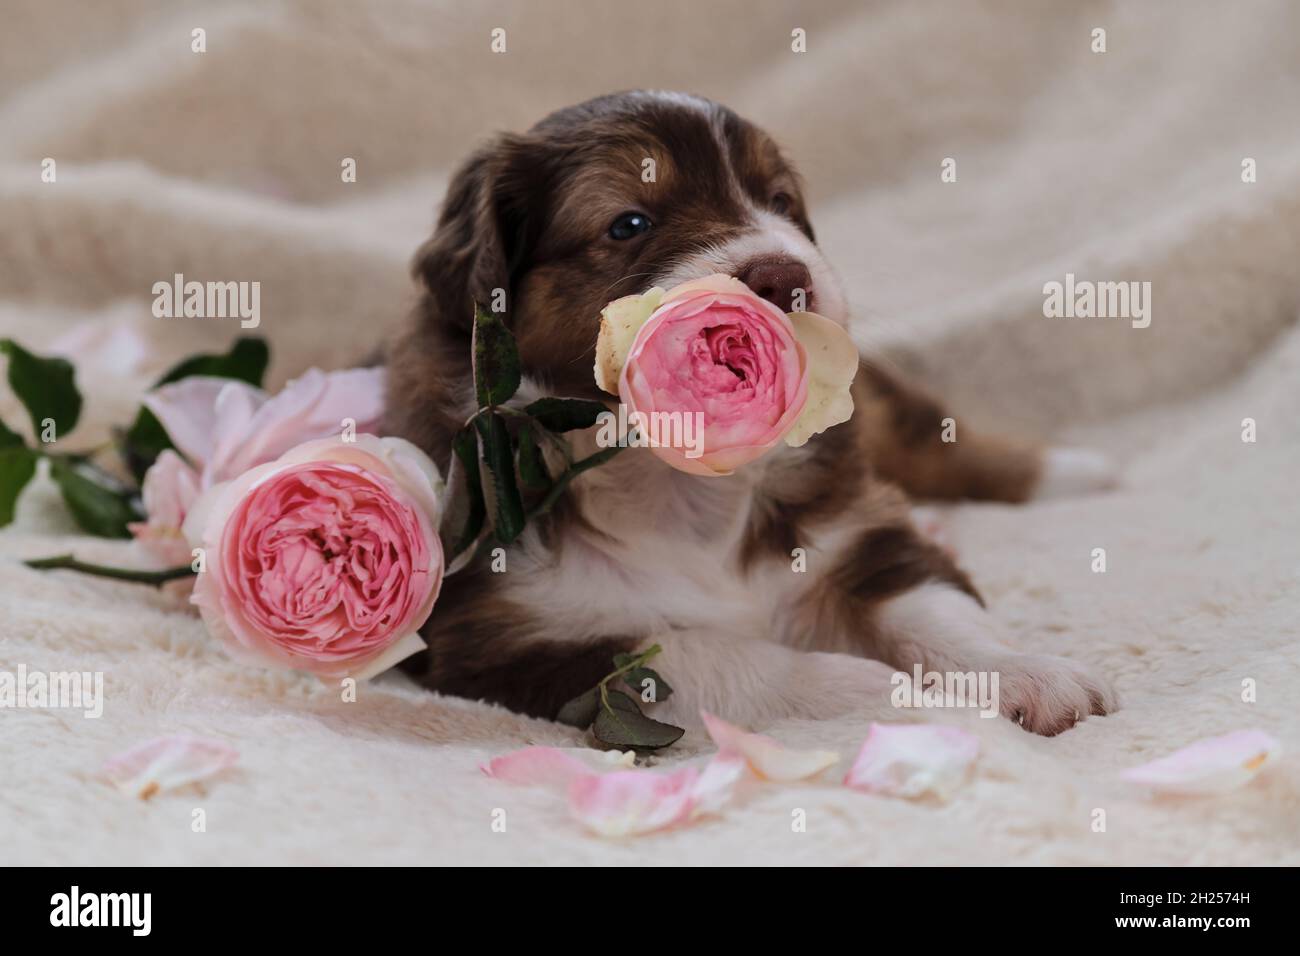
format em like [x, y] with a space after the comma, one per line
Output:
[482, 238]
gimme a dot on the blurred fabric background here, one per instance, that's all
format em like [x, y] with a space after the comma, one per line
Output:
[1117, 166]
[1123, 165]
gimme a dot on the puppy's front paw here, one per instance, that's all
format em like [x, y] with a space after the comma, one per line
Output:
[1074, 471]
[1047, 694]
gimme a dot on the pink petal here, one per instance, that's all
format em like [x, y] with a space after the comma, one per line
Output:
[622, 802]
[170, 487]
[717, 783]
[1214, 765]
[632, 802]
[313, 405]
[537, 767]
[166, 763]
[187, 410]
[765, 756]
[909, 760]
[234, 410]
[555, 767]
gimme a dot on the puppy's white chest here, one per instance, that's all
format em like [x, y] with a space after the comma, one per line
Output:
[658, 553]
[593, 587]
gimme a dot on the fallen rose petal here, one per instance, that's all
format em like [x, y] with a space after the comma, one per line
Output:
[166, 763]
[548, 767]
[1214, 765]
[909, 760]
[632, 802]
[555, 767]
[717, 783]
[765, 756]
[610, 799]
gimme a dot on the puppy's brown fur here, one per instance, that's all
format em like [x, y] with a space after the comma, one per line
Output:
[530, 214]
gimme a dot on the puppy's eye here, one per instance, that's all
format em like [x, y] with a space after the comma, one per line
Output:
[628, 225]
[781, 204]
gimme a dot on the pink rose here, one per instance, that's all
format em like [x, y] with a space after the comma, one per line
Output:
[326, 560]
[714, 353]
[170, 487]
[224, 427]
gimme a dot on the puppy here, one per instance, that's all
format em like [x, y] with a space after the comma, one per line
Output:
[563, 220]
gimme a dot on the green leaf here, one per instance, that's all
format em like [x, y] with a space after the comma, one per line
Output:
[98, 510]
[496, 360]
[622, 724]
[246, 362]
[146, 439]
[565, 414]
[46, 387]
[532, 469]
[581, 711]
[634, 678]
[17, 465]
[500, 461]
[465, 448]
[143, 442]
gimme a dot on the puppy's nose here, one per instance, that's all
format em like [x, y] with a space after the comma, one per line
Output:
[778, 280]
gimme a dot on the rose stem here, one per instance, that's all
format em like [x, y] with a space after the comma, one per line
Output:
[70, 563]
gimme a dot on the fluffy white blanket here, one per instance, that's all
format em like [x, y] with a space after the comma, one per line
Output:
[1122, 165]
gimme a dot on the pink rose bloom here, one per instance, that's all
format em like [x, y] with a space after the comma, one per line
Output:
[326, 560]
[713, 352]
[224, 427]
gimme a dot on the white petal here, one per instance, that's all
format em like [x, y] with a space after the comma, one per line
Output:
[619, 323]
[632, 802]
[1214, 765]
[166, 763]
[832, 365]
[555, 767]
[910, 760]
[550, 767]
[765, 756]
[717, 783]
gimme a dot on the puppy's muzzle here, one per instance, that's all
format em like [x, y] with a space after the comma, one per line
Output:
[779, 280]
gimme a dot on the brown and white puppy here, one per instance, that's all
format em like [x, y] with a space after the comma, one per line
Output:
[562, 219]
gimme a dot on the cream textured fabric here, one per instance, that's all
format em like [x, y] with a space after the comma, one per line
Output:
[1124, 165]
